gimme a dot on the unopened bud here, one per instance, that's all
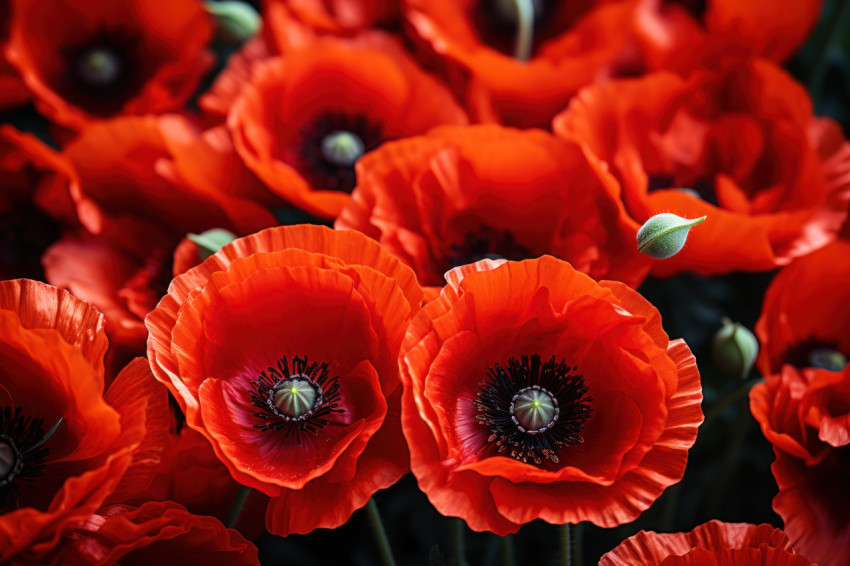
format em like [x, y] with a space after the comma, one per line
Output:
[237, 21]
[664, 235]
[211, 241]
[734, 348]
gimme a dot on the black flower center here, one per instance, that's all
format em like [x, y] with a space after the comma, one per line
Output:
[497, 21]
[533, 409]
[297, 401]
[104, 72]
[486, 243]
[823, 354]
[702, 188]
[331, 145]
[22, 454]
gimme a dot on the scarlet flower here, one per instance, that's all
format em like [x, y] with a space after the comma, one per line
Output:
[574, 44]
[457, 195]
[674, 34]
[65, 447]
[138, 185]
[282, 351]
[156, 532]
[710, 544]
[805, 318]
[533, 392]
[772, 179]
[306, 118]
[805, 414]
[91, 60]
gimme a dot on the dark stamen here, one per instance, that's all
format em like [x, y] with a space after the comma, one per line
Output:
[281, 413]
[331, 145]
[22, 454]
[533, 409]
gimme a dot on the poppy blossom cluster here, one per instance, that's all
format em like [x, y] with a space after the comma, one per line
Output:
[261, 260]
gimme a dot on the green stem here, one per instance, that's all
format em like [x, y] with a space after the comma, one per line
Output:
[566, 544]
[525, 29]
[459, 542]
[732, 459]
[507, 550]
[739, 393]
[238, 504]
[380, 534]
[578, 543]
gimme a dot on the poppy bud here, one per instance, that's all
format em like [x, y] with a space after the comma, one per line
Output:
[237, 21]
[664, 235]
[211, 241]
[734, 348]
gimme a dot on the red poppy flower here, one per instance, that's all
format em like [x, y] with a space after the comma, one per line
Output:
[710, 544]
[805, 318]
[533, 392]
[772, 179]
[91, 60]
[282, 350]
[306, 118]
[458, 195]
[673, 34]
[335, 16]
[805, 414]
[65, 448]
[156, 532]
[574, 44]
[138, 185]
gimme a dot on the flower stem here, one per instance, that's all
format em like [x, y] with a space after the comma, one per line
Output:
[739, 393]
[459, 542]
[507, 550]
[380, 534]
[238, 504]
[525, 29]
[578, 543]
[566, 544]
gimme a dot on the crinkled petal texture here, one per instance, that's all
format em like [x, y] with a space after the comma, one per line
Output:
[805, 414]
[333, 296]
[373, 91]
[673, 34]
[645, 389]
[459, 194]
[88, 60]
[710, 544]
[805, 309]
[773, 180]
[51, 368]
[574, 44]
[157, 532]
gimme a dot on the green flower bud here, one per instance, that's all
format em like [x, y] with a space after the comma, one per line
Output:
[734, 348]
[211, 241]
[237, 21]
[664, 235]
